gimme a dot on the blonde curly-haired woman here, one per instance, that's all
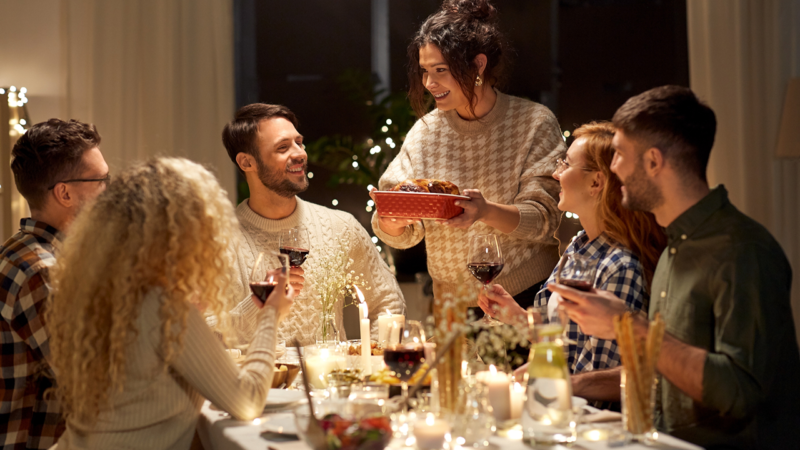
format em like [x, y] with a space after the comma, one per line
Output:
[132, 354]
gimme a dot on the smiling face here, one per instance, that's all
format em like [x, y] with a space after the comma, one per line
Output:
[576, 183]
[439, 81]
[281, 159]
[639, 192]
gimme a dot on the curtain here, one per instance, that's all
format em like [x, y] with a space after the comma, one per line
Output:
[155, 77]
[741, 55]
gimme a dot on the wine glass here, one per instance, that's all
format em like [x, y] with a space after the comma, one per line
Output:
[405, 358]
[578, 273]
[295, 243]
[262, 282]
[485, 262]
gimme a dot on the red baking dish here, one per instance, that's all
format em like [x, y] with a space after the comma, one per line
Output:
[418, 204]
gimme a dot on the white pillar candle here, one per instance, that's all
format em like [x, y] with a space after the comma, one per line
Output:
[385, 321]
[318, 366]
[517, 400]
[430, 432]
[394, 336]
[499, 385]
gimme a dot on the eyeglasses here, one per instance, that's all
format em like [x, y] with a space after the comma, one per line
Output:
[105, 180]
[564, 165]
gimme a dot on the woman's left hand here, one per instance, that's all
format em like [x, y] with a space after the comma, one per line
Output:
[474, 209]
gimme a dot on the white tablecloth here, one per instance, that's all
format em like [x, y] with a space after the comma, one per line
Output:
[217, 432]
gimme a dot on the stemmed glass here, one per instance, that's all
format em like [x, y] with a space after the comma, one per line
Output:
[295, 243]
[485, 262]
[262, 281]
[405, 358]
[578, 273]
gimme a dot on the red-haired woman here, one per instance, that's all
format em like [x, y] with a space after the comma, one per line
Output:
[626, 245]
[500, 149]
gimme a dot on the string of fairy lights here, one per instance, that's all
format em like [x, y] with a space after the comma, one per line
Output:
[18, 122]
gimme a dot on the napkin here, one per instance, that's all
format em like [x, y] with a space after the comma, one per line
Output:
[602, 416]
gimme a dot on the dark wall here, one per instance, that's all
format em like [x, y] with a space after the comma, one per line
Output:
[583, 58]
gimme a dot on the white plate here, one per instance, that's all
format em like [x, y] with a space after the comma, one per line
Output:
[283, 398]
[281, 423]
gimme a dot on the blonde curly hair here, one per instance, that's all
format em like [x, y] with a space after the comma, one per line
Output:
[165, 224]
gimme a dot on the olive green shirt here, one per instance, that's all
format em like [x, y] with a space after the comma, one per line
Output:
[723, 285]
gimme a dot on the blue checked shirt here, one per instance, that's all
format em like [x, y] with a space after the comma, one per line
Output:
[618, 271]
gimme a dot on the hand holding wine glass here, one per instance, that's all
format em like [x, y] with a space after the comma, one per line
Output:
[485, 262]
[269, 287]
[295, 243]
[578, 273]
[406, 358]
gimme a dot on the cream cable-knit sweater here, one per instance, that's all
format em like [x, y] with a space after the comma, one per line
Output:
[158, 408]
[509, 155]
[324, 225]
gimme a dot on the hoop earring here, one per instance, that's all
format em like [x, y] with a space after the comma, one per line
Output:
[478, 81]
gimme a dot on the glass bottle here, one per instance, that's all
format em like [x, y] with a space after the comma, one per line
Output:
[547, 418]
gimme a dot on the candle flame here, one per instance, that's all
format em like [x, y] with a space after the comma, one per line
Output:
[430, 419]
[493, 369]
[463, 368]
[324, 353]
[359, 294]
[362, 304]
[388, 312]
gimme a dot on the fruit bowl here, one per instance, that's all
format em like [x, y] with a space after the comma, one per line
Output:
[422, 205]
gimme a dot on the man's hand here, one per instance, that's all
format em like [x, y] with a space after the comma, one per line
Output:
[297, 279]
[393, 226]
[500, 305]
[593, 311]
[474, 209]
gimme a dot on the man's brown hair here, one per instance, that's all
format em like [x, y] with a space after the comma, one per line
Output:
[674, 120]
[50, 152]
[240, 134]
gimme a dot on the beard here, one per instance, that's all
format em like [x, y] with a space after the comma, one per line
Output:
[641, 194]
[273, 179]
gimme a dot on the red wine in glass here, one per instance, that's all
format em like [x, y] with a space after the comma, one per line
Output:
[580, 285]
[297, 256]
[404, 360]
[262, 289]
[485, 272]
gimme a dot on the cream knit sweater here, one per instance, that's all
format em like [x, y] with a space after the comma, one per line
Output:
[324, 225]
[158, 408]
[509, 155]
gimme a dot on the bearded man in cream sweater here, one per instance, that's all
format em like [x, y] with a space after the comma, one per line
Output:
[263, 142]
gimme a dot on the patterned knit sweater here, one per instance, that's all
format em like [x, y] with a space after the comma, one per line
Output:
[509, 155]
[324, 226]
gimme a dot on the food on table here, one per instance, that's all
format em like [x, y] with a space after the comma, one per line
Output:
[386, 376]
[349, 375]
[343, 434]
[426, 185]
[354, 350]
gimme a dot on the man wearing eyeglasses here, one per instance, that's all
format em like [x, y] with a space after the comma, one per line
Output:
[58, 168]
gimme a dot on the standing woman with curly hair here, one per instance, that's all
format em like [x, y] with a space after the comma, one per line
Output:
[132, 354]
[501, 149]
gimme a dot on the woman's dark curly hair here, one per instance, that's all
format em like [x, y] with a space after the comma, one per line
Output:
[462, 30]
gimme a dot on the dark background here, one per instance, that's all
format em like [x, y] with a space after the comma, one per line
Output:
[581, 58]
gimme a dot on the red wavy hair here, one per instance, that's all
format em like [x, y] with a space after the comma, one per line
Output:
[636, 230]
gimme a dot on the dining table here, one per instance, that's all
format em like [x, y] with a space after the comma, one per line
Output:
[218, 431]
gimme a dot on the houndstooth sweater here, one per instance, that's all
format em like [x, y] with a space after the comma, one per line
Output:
[324, 225]
[509, 155]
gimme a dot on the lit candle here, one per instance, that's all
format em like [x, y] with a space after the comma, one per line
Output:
[499, 387]
[318, 366]
[366, 349]
[394, 338]
[430, 432]
[517, 400]
[385, 321]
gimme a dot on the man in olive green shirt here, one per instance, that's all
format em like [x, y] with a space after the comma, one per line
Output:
[729, 365]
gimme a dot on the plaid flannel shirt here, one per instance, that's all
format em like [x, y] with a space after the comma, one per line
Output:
[27, 419]
[618, 271]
